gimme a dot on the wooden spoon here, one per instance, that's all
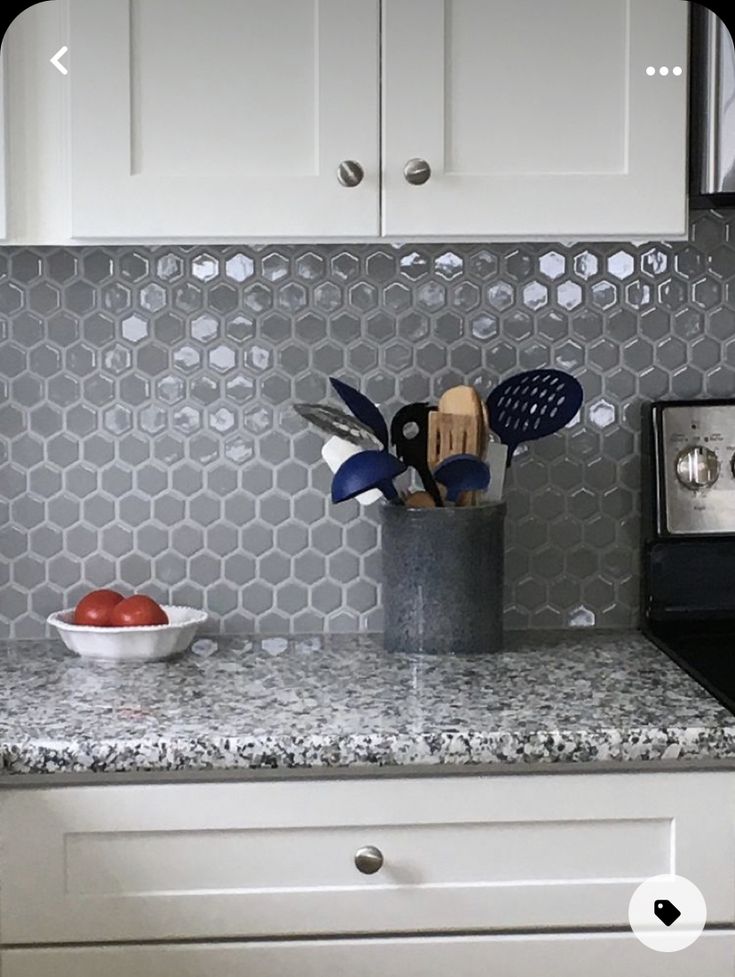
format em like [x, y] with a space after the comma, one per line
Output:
[419, 500]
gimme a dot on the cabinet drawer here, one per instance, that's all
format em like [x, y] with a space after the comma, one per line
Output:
[276, 858]
[605, 955]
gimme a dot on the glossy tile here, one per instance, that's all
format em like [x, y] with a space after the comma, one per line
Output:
[145, 430]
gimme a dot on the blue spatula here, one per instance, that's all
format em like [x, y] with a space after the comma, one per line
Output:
[363, 409]
[367, 470]
[462, 473]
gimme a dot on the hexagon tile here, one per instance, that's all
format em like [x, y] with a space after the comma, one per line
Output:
[146, 438]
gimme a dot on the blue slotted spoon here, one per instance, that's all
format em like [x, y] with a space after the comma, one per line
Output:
[532, 405]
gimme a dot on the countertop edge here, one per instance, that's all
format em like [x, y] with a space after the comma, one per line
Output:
[430, 750]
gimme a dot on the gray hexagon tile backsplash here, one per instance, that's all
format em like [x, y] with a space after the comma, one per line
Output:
[146, 438]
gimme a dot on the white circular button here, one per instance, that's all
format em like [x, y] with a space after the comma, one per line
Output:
[663, 70]
[667, 913]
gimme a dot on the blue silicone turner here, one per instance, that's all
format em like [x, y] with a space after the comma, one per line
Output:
[367, 470]
[462, 473]
[363, 409]
[532, 405]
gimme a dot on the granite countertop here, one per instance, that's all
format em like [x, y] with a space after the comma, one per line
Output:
[237, 703]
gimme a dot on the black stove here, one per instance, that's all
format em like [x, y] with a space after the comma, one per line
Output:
[689, 538]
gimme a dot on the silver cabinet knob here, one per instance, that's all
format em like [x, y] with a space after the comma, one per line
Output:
[368, 859]
[350, 173]
[417, 171]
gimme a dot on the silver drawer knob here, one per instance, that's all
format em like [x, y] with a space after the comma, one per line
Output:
[368, 859]
[417, 171]
[350, 173]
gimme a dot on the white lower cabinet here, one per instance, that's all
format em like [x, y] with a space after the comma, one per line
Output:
[509, 858]
[277, 858]
[608, 955]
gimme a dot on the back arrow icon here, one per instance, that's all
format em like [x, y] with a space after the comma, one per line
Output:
[56, 60]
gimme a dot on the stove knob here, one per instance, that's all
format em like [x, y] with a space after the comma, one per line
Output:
[697, 467]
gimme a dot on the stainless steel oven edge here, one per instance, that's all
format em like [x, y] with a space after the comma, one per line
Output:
[712, 110]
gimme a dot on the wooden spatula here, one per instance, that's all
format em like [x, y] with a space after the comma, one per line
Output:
[459, 425]
[450, 434]
[461, 400]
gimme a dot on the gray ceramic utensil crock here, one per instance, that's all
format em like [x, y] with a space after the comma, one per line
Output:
[443, 579]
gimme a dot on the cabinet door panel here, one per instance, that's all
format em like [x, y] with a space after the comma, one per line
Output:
[3, 150]
[609, 955]
[227, 119]
[537, 117]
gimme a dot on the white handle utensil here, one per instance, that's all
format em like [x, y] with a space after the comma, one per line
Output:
[496, 458]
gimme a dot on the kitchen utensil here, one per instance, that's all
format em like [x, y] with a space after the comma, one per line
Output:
[364, 471]
[496, 459]
[450, 434]
[335, 452]
[532, 405]
[462, 473]
[465, 401]
[462, 399]
[138, 644]
[419, 500]
[339, 424]
[363, 409]
[409, 434]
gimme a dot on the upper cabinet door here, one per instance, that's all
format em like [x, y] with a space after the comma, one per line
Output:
[537, 117]
[3, 143]
[223, 120]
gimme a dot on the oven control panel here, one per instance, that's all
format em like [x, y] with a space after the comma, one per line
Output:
[696, 465]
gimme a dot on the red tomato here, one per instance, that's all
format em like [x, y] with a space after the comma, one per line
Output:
[94, 610]
[136, 612]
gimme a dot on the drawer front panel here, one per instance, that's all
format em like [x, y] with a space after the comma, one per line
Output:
[108, 863]
[138, 863]
[608, 955]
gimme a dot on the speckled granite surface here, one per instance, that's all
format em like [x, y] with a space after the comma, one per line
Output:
[341, 701]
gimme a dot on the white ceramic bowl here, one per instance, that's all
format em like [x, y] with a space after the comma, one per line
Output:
[137, 644]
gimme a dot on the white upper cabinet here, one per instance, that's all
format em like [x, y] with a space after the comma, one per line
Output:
[223, 120]
[228, 120]
[537, 118]
[3, 143]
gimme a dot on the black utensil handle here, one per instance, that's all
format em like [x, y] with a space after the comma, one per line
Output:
[429, 483]
[412, 450]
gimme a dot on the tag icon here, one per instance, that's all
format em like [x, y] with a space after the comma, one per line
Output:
[666, 911]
